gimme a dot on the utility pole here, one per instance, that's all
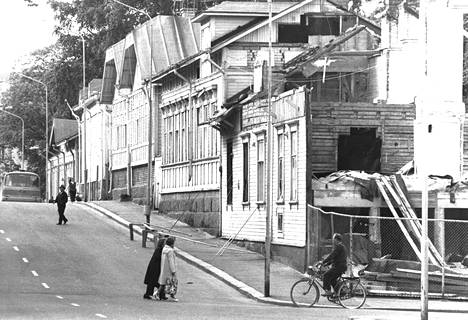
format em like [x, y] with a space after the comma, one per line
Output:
[269, 166]
[83, 107]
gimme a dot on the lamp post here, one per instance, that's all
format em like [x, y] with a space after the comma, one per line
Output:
[22, 132]
[46, 128]
[85, 172]
[150, 114]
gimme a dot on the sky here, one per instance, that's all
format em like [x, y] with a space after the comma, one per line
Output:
[23, 29]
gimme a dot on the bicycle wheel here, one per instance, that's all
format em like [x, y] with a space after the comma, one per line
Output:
[304, 293]
[351, 294]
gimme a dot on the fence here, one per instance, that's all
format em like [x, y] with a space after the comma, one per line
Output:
[389, 247]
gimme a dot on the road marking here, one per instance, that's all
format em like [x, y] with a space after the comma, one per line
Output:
[8, 239]
[34, 273]
[60, 297]
[101, 316]
[1, 231]
[15, 248]
[25, 260]
[45, 285]
[75, 304]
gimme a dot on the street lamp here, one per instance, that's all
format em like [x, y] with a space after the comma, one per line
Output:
[46, 127]
[150, 114]
[22, 132]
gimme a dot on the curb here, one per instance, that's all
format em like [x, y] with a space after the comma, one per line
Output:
[202, 265]
[239, 286]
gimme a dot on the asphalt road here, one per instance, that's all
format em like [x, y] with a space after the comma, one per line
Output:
[89, 269]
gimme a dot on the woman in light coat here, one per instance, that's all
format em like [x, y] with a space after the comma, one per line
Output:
[168, 268]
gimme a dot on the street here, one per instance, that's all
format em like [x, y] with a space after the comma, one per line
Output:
[89, 269]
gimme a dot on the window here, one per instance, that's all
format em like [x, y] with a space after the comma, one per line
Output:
[229, 172]
[245, 169]
[280, 173]
[261, 168]
[292, 33]
[323, 26]
[293, 195]
[280, 221]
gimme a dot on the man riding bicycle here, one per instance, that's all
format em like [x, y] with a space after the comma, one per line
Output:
[337, 258]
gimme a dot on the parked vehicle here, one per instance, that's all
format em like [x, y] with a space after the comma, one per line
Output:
[20, 186]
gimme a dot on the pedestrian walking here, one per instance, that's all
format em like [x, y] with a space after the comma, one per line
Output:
[168, 277]
[153, 270]
[72, 189]
[61, 201]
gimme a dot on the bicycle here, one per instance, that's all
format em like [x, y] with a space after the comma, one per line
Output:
[349, 293]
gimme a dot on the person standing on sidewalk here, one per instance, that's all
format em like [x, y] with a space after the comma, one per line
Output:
[337, 258]
[153, 270]
[61, 201]
[72, 189]
[168, 277]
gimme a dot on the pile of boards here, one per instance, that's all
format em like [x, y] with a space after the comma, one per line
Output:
[400, 275]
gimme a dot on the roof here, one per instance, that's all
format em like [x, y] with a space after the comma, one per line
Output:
[63, 129]
[410, 6]
[243, 8]
[241, 31]
[174, 38]
[297, 64]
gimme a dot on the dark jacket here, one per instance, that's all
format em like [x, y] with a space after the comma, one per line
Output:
[337, 258]
[154, 266]
[61, 199]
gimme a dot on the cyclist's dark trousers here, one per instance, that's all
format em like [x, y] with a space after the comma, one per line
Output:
[330, 277]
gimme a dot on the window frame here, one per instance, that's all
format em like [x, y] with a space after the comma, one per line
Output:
[260, 163]
[293, 169]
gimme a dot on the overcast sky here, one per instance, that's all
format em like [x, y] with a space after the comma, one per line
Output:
[23, 29]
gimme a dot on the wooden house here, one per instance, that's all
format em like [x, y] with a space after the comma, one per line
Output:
[146, 51]
[306, 126]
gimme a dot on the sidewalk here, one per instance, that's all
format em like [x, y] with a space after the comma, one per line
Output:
[242, 269]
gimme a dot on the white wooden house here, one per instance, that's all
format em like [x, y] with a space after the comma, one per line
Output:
[63, 155]
[127, 65]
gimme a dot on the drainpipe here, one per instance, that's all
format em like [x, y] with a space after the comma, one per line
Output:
[220, 218]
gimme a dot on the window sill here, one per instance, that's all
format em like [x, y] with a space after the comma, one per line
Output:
[246, 203]
[293, 202]
[279, 201]
[260, 203]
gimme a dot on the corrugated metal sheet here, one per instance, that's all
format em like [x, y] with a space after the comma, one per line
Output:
[173, 39]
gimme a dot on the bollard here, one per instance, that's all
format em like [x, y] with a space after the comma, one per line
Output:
[144, 235]
[130, 227]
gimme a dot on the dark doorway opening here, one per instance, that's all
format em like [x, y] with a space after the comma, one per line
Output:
[360, 150]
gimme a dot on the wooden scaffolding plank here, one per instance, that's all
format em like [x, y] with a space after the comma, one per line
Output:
[395, 214]
[412, 214]
[411, 223]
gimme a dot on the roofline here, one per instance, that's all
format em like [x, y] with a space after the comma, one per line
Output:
[225, 43]
[207, 14]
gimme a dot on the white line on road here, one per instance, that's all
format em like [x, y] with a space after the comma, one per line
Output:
[15, 248]
[1, 231]
[35, 273]
[75, 304]
[101, 316]
[25, 260]
[60, 297]
[8, 239]
[45, 285]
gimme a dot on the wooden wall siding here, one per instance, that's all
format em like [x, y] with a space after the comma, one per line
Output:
[465, 144]
[223, 25]
[281, 53]
[289, 105]
[118, 150]
[94, 145]
[237, 81]
[261, 35]
[294, 219]
[394, 125]
[207, 96]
